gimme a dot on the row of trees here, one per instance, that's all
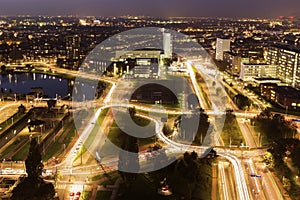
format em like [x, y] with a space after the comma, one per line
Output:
[193, 127]
[189, 177]
[242, 101]
[275, 158]
[231, 133]
[274, 126]
[128, 156]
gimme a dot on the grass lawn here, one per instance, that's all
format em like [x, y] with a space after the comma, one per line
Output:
[15, 117]
[21, 155]
[97, 126]
[111, 180]
[50, 152]
[264, 140]
[231, 132]
[14, 144]
[81, 151]
[147, 141]
[169, 116]
[56, 147]
[99, 176]
[207, 101]
[109, 149]
[85, 195]
[103, 195]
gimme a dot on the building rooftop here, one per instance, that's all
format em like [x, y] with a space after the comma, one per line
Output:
[266, 79]
[269, 84]
[287, 47]
[254, 63]
[231, 53]
[288, 91]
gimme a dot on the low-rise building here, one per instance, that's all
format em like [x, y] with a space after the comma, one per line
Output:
[146, 71]
[285, 96]
[139, 54]
[141, 71]
[265, 89]
[249, 71]
[267, 80]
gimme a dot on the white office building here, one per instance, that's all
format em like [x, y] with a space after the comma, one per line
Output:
[167, 45]
[249, 71]
[222, 46]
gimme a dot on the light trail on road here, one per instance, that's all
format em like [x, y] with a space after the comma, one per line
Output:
[223, 181]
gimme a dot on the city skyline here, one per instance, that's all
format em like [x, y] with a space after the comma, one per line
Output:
[193, 8]
[139, 105]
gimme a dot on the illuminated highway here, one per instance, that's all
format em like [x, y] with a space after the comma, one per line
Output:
[66, 168]
[224, 183]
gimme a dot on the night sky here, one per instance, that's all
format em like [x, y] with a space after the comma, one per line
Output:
[211, 8]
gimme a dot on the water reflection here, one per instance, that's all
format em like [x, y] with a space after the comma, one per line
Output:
[21, 83]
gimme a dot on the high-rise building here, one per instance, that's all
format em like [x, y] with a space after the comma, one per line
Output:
[73, 47]
[72, 52]
[287, 60]
[222, 46]
[167, 45]
[233, 62]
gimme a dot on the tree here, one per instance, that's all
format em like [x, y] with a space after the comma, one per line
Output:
[167, 61]
[167, 130]
[195, 127]
[33, 186]
[3, 68]
[296, 155]
[218, 91]
[34, 165]
[229, 111]
[274, 126]
[265, 114]
[188, 176]
[242, 101]
[51, 103]
[22, 109]
[57, 177]
[269, 160]
[16, 55]
[128, 158]
[203, 128]
[132, 111]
